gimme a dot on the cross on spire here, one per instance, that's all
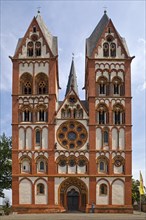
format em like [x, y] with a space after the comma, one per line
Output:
[38, 9]
[105, 9]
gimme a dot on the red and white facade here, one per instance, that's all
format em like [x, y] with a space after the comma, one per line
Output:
[70, 154]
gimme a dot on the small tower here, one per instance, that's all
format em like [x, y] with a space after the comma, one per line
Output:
[72, 79]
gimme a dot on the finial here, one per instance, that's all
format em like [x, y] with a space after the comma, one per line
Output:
[73, 56]
[38, 9]
[105, 9]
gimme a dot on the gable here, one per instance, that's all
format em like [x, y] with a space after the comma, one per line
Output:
[105, 37]
[37, 42]
[111, 44]
[72, 108]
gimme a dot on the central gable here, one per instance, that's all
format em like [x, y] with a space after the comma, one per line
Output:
[72, 108]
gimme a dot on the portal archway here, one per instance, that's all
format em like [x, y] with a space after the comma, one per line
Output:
[73, 194]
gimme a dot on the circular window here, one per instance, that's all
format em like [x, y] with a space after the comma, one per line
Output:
[72, 135]
[81, 163]
[117, 163]
[62, 163]
[72, 163]
[72, 99]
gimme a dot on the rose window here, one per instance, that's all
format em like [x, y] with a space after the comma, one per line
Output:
[72, 135]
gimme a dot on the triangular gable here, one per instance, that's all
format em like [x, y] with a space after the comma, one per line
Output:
[120, 40]
[65, 101]
[22, 42]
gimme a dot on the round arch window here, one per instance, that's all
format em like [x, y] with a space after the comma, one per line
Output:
[72, 135]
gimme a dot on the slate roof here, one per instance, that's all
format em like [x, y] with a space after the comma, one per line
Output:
[72, 80]
[91, 42]
[51, 40]
[96, 34]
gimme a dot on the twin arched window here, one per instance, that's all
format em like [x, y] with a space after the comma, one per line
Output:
[118, 114]
[109, 49]
[102, 114]
[33, 49]
[41, 83]
[26, 84]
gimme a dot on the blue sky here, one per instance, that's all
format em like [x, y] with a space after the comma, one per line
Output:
[73, 22]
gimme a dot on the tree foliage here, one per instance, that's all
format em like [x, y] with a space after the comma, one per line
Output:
[135, 191]
[5, 163]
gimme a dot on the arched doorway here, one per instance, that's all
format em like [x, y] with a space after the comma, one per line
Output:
[73, 194]
[73, 200]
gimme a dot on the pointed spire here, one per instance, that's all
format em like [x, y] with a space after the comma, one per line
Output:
[72, 79]
[96, 34]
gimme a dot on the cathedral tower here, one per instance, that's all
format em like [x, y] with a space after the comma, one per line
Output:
[70, 154]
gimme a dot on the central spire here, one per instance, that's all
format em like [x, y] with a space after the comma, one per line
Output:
[72, 79]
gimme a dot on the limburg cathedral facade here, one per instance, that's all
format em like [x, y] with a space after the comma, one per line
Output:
[68, 155]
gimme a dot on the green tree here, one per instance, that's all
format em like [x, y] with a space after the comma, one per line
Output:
[135, 191]
[5, 163]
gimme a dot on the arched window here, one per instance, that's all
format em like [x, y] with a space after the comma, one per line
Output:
[62, 113]
[102, 114]
[106, 50]
[34, 29]
[102, 166]
[103, 189]
[30, 49]
[26, 115]
[40, 188]
[119, 114]
[41, 115]
[42, 89]
[105, 137]
[38, 48]
[118, 86]
[25, 165]
[72, 163]
[68, 113]
[26, 84]
[41, 84]
[38, 137]
[42, 166]
[27, 88]
[102, 163]
[113, 50]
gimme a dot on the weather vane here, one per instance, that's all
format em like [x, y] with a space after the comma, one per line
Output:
[73, 56]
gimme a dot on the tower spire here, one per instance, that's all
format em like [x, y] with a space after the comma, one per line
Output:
[72, 79]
